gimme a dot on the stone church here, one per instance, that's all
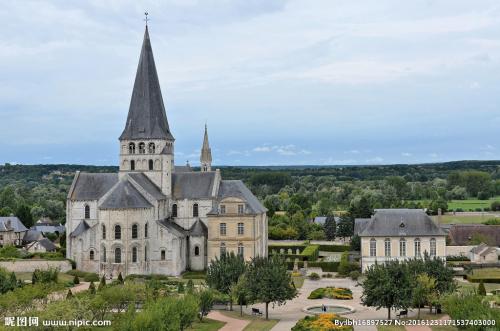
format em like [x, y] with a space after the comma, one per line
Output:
[153, 217]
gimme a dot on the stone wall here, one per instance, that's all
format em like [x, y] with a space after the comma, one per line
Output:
[458, 250]
[31, 265]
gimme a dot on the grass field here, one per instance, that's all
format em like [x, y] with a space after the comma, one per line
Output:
[256, 323]
[468, 205]
[206, 325]
[489, 286]
[464, 219]
[62, 277]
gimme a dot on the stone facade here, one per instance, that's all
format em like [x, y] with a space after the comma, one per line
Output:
[153, 217]
[32, 265]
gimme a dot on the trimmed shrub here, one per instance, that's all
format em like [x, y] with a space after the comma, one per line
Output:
[481, 290]
[334, 248]
[457, 258]
[314, 276]
[311, 252]
[339, 293]
[76, 280]
[354, 275]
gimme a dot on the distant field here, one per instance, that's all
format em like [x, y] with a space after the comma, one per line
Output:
[468, 205]
[464, 219]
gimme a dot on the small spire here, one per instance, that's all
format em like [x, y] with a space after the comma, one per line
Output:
[146, 19]
[206, 153]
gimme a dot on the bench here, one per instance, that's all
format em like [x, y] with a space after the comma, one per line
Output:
[256, 311]
[402, 313]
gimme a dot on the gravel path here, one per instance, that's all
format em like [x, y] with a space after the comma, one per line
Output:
[232, 324]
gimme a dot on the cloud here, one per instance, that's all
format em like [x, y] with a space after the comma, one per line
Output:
[406, 154]
[264, 149]
[352, 151]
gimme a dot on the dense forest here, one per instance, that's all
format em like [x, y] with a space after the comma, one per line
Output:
[298, 192]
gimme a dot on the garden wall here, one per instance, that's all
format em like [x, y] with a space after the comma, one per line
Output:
[458, 250]
[31, 265]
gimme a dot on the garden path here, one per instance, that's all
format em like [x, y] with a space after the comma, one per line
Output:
[232, 324]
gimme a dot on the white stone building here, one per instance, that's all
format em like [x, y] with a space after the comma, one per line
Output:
[399, 234]
[153, 217]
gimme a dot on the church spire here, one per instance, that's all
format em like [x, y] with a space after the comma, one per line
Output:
[206, 154]
[146, 116]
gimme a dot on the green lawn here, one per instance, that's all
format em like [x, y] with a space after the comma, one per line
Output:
[459, 219]
[472, 204]
[62, 277]
[207, 325]
[489, 286]
[256, 323]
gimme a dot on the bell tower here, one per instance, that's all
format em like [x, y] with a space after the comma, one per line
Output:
[146, 143]
[206, 154]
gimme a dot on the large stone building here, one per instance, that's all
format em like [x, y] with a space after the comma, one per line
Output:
[153, 217]
[398, 234]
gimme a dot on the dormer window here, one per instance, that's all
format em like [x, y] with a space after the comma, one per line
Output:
[241, 209]
[222, 209]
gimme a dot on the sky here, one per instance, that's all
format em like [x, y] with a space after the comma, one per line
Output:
[277, 82]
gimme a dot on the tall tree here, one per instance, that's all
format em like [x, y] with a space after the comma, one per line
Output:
[223, 272]
[330, 228]
[241, 293]
[269, 282]
[424, 287]
[346, 227]
[387, 286]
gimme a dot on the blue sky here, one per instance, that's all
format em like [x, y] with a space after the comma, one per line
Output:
[279, 82]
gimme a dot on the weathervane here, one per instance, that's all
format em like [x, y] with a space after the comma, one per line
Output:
[146, 19]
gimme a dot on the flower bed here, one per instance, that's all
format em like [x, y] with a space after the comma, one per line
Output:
[339, 293]
[322, 322]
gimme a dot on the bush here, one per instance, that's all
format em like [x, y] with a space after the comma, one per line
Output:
[334, 248]
[10, 252]
[76, 280]
[314, 276]
[492, 221]
[194, 275]
[354, 275]
[321, 322]
[311, 252]
[86, 276]
[327, 275]
[457, 258]
[495, 206]
[147, 277]
[44, 276]
[483, 195]
[481, 290]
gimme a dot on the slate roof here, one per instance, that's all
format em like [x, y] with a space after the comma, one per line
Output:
[173, 227]
[360, 224]
[462, 234]
[80, 228]
[32, 235]
[124, 196]
[147, 185]
[146, 116]
[198, 229]
[401, 222]
[91, 186]
[49, 228]
[15, 224]
[47, 244]
[192, 185]
[186, 168]
[236, 189]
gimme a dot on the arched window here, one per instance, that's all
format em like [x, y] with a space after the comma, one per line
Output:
[118, 255]
[373, 247]
[146, 230]
[118, 232]
[132, 165]
[103, 252]
[134, 231]
[162, 255]
[402, 247]
[174, 210]
[417, 247]
[87, 211]
[433, 247]
[134, 254]
[146, 253]
[241, 250]
[142, 148]
[196, 250]
[222, 249]
[103, 228]
[91, 255]
[150, 164]
[195, 210]
[131, 148]
[387, 247]
[151, 148]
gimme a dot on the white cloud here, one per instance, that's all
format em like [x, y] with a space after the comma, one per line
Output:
[264, 149]
[406, 154]
[353, 151]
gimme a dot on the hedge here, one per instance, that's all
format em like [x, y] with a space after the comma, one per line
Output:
[334, 248]
[311, 252]
[325, 266]
[457, 258]
[474, 279]
[87, 276]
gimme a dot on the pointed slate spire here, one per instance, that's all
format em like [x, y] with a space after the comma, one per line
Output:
[206, 153]
[146, 116]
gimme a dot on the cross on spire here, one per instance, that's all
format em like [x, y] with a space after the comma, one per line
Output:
[146, 19]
